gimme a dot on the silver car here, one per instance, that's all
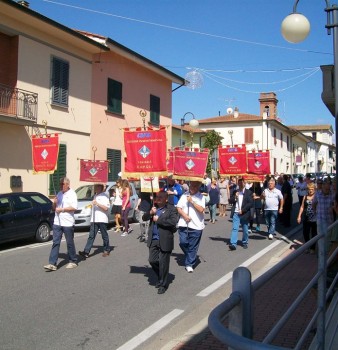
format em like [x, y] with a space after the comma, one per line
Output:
[85, 196]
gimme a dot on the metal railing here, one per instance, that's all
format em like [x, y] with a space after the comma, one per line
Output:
[239, 306]
[18, 103]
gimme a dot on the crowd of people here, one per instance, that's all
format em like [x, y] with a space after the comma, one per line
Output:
[180, 206]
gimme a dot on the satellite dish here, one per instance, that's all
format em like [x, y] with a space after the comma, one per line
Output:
[230, 110]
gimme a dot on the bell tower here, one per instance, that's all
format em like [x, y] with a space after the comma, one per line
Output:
[268, 105]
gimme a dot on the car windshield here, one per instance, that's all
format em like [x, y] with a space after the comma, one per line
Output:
[85, 193]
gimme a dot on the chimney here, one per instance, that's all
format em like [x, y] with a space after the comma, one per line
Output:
[24, 3]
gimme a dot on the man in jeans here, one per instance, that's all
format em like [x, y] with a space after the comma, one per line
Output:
[64, 204]
[273, 198]
[98, 221]
[243, 204]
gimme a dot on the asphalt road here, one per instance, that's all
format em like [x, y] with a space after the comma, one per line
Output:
[110, 303]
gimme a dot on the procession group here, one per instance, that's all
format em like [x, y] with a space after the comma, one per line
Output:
[180, 206]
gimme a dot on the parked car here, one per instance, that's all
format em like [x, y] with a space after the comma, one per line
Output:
[25, 215]
[320, 175]
[85, 196]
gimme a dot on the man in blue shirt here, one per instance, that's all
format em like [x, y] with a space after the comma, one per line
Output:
[174, 191]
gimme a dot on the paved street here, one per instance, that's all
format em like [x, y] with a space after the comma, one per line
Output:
[111, 303]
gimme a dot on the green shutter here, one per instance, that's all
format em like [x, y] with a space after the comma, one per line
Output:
[154, 110]
[60, 81]
[114, 96]
[61, 171]
[114, 158]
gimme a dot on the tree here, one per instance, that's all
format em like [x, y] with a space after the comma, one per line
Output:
[212, 140]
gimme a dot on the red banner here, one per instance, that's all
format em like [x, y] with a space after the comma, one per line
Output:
[259, 162]
[146, 152]
[190, 164]
[45, 152]
[94, 170]
[232, 160]
[170, 162]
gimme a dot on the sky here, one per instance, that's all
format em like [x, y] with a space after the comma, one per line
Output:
[236, 48]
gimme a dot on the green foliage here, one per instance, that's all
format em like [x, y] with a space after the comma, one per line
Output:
[211, 141]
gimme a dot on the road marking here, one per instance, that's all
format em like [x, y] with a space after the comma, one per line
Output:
[210, 289]
[38, 245]
[150, 331]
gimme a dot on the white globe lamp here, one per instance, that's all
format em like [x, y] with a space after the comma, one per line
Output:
[295, 28]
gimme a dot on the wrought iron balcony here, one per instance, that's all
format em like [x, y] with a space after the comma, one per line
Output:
[18, 104]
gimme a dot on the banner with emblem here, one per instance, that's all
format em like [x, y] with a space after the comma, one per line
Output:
[190, 164]
[146, 152]
[259, 162]
[45, 153]
[94, 170]
[232, 160]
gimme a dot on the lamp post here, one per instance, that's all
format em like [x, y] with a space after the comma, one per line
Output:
[257, 143]
[296, 27]
[230, 132]
[193, 124]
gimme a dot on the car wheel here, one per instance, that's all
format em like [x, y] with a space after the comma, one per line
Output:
[43, 232]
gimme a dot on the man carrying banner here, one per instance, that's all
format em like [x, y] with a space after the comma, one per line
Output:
[243, 204]
[163, 219]
[191, 223]
[98, 221]
[65, 204]
[174, 191]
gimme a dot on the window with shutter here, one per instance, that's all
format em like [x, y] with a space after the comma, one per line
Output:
[114, 158]
[154, 110]
[61, 171]
[248, 135]
[275, 137]
[60, 81]
[281, 140]
[114, 96]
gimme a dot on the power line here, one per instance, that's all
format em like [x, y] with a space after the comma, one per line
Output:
[188, 30]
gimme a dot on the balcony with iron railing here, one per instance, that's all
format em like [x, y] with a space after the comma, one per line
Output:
[18, 106]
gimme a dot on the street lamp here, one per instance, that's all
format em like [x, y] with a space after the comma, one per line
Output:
[230, 132]
[193, 124]
[257, 143]
[296, 27]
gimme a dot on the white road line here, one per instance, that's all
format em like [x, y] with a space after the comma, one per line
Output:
[38, 245]
[150, 331]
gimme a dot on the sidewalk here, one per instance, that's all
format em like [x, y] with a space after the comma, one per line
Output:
[270, 303]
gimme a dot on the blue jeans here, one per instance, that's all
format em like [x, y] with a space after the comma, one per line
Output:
[212, 210]
[189, 243]
[236, 220]
[270, 220]
[94, 227]
[58, 231]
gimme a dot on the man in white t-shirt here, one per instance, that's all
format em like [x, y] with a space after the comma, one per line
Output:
[273, 205]
[98, 221]
[191, 223]
[64, 204]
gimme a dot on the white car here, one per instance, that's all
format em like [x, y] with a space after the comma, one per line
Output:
[85, 196]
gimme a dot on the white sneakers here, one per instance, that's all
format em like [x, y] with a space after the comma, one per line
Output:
[71, 265]
[270, 236]
[189, 269]
[50, 267]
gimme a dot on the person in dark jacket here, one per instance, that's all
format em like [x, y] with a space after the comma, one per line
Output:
[214, 200]
[287, 197]
[243, 204]
[163, 221]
